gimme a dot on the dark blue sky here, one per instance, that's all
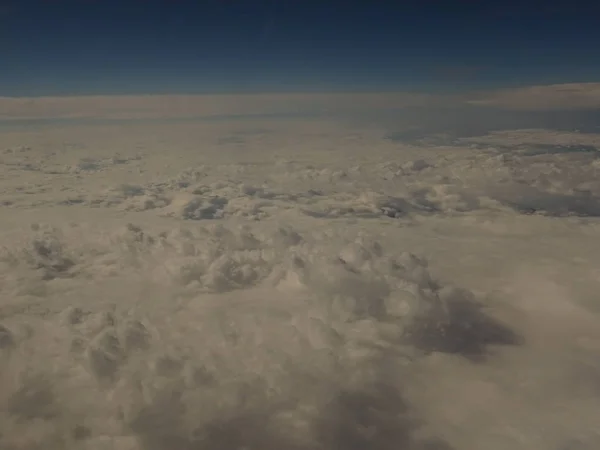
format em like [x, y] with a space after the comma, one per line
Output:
[50, 47]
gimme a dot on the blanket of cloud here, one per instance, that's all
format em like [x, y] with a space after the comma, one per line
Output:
[302, 284]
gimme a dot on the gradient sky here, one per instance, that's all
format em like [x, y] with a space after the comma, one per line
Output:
[71, 47]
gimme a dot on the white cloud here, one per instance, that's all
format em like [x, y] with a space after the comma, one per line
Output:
[305, 286]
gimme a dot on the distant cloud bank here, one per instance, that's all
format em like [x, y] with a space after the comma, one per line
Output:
[532, 98]
[543, 98]
[182, 106]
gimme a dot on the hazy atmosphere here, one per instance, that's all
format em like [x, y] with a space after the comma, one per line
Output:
[281, 225]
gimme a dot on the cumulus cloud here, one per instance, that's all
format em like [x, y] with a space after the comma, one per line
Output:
[281, 340]
[200, 286]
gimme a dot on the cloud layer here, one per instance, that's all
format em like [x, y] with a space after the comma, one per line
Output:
[532, 98]
[297, 285]
[543, 98]
[186, 106]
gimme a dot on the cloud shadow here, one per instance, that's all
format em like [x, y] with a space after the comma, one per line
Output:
[466, 330]
[374, 417]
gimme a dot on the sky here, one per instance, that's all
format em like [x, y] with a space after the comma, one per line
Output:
[75, 47]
